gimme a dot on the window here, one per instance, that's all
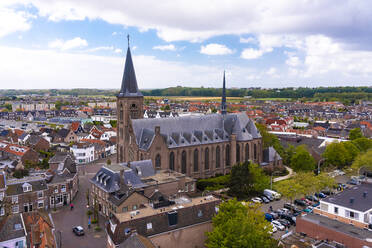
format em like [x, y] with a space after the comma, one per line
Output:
[134, 207]
[27, 187]
[336, 210]
[255, 151]
[200, 213]
[171, 161]
[1, 196]
[246, 152]
[237, 153]
[40, 194]
[15, 199]
[19, 244]
[2, 212]
[218, 157]
[183, 162]
[206, 155]
[196, 160]
[149, 226]
[158, 161]
[56, 189]
[63, 188]
[324, 207]
[124, 209]
[172, 218]
[40, 204]
[228, 155]
[351, 214]
[15, 209]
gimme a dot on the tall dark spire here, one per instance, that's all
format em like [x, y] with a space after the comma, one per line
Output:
[129, 83]
[223, 103]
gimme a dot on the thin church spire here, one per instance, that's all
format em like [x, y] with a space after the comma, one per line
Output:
[223, 103]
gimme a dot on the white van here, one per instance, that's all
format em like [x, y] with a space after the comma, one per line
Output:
[272, 193]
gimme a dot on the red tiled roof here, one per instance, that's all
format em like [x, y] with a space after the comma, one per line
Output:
[74, 126]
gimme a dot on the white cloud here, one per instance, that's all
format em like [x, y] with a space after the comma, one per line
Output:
[114, 33]
[293, 61]
[101, 48]
[247, 40]
[76, 42]
[118, 50]
[215, 49]
[169, 47]
[251, 53]
[12, 21]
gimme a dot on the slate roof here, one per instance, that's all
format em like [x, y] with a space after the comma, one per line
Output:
[359, 203]
[67, 159]
[143, 168]
[16, 188]
[129, 86]
[33, 139]
[63, 132]
[8, 230]
[112, 180]
[195, 130]
[137, 241]
[270, 155]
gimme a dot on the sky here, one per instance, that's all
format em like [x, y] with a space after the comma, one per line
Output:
[269, 44]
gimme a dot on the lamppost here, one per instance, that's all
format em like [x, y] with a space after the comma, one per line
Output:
[319, 164]
[271, 178]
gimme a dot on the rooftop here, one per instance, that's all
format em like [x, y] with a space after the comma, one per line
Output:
[338, 226]
[361, 195]
[163, 176]
[182, 202]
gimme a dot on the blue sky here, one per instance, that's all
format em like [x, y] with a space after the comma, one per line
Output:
[82, 43]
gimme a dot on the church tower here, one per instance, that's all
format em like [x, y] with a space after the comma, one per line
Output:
[129, 106]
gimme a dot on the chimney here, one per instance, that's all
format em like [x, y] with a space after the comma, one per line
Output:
[365, 194]
[122, 182]
[157, 130]
[351, 200]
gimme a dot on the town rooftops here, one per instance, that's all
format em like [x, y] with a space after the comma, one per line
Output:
[15, 187]
[181, 203]
[358, 198]
[136, 241]
[12, 227]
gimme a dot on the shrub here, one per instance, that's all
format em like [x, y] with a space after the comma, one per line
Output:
[94, 221]
[97, 228]
[89, 212]
[20, 173]
[213, 183]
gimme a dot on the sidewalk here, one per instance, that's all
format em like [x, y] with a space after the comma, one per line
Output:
[290, 174]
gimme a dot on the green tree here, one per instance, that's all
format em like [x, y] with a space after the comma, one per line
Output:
[290, 189]
[269, 139]
[246, 179]
[302, 160]
[355, 133]
[363, 160]
[288, 153]
[113, 123]
[363, 144]
[336, 154]
[240, 226]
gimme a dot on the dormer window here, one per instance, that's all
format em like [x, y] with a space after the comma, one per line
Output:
[27, 187]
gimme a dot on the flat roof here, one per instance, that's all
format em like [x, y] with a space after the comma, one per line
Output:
[164, 176]
[182, 202]
[360, 203]
[338, 226]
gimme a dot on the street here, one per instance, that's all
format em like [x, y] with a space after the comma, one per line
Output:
[65, 219]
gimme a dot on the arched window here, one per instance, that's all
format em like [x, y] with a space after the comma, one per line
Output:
[141, 156]
[237, 153]
[206, 155]
[171, 161]
[246, 152]
[158, 161]
[196, 160]
[183, 162]
[228, 155]
[218, 157]
[121, 154]
[255, 151]
[121, 111]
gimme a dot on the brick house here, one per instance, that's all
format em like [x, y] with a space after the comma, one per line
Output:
[64, 136]
[18, 152]
[38, 143]
[176, 224]
[121, 186]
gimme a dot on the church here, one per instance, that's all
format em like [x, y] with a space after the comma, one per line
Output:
[198, 146]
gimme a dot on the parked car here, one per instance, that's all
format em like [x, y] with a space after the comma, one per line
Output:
[271, 198]
[290, 218]
[256, 200]
[284, 222]
[283, 211]
[278, 225]
[274, 194]
[275, 215]
[78, 230]
[264, 199]
[300, 202]
[327, 192]
[289, 206]
[308, 202]
[315, 204]
[309, 209]
[274, 229]
[353, 181]
[269, 217]
[312, 198]
[320, 195]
